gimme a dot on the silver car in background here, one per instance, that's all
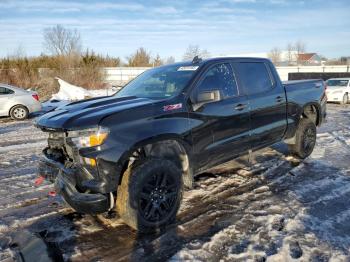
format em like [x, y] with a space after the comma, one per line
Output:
[18, 103]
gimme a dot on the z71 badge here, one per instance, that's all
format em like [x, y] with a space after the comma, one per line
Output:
[172, 107]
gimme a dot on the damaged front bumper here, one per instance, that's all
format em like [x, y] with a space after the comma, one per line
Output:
[66, 184]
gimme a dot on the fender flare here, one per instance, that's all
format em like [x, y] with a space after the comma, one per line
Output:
[187, 166]
[318, 111]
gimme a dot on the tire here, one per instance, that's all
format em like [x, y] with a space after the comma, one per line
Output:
[305, 138]
[19, 112]
[345, 99]
[144, 201]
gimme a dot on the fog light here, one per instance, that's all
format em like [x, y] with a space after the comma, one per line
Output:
[88, 161]
[92, 162]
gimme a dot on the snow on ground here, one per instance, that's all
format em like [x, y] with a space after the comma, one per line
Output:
[275, 209]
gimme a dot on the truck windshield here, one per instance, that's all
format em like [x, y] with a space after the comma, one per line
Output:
[159, 83]
[339, 82]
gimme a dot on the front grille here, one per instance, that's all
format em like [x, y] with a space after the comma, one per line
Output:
[62, 149]
[56, 140]
[72, 152]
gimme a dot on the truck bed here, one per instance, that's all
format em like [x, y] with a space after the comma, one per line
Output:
[302, 93]
[304, 82]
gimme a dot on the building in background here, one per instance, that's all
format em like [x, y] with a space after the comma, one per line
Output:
[309, 59]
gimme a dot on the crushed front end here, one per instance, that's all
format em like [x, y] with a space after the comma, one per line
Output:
[74, 161]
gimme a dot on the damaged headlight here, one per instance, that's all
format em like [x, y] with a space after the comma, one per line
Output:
[88, 137]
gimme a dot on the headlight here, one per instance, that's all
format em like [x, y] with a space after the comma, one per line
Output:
[88, 137]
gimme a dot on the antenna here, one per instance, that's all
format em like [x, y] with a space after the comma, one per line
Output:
[196, 60]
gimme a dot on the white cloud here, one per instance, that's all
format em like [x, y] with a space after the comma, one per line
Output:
[60, 6]
[226, 10]
[165, 10]
[243, 1]
[278, 2]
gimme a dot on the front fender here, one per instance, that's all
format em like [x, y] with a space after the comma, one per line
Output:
[125, 138]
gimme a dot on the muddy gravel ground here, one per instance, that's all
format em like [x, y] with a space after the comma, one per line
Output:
[274, 208]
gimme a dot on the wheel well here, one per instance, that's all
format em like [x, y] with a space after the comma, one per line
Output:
[168, 149]
[311, 112]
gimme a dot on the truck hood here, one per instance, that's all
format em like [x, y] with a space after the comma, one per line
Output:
[88, 113]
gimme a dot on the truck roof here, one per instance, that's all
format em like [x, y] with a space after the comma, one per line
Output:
[219, 59]
[236, 58]
[340, 78]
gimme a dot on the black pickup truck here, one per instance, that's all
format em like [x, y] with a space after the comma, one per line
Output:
[137, 150]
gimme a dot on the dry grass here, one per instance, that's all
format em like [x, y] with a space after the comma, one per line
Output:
[38, 73]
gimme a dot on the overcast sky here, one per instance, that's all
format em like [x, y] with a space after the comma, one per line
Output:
[167, 27]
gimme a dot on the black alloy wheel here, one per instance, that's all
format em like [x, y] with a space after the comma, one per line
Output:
[309, 140]
[157, 197]
[150, 194]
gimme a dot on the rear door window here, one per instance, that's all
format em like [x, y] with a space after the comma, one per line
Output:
[5, 91]
[255, 77]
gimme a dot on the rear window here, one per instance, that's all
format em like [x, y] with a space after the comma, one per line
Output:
[5, 91]
[255, 77]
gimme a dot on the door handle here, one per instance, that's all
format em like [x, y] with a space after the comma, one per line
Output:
[240, 107]
[279, 99]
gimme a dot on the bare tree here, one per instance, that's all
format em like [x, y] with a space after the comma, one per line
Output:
[300, 48]
[275, 55]
[204, 54]
[157, 61]
[194, 50]
[19, 52]
[170, 60]
[62, 41]
[290, 53]
[140, 58]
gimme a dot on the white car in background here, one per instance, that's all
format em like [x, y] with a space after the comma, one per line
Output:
[18, 103]
[338, 90]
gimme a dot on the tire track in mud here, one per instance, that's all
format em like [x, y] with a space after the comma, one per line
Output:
[20, 146]
[19, 139]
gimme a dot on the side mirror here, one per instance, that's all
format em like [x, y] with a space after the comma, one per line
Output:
[208, 96]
